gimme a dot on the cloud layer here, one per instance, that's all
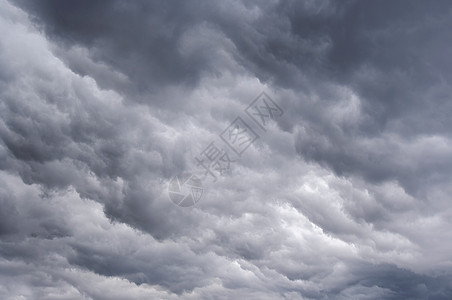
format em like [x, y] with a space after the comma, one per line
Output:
[346, 196]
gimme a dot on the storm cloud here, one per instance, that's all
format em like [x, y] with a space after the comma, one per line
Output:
[344, 196]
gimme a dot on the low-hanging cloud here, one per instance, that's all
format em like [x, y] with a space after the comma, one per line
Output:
[346, 196]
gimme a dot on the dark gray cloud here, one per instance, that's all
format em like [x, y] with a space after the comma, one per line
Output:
[345, 197]
[144, 40]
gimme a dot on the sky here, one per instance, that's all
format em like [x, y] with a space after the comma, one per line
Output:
[318, 131]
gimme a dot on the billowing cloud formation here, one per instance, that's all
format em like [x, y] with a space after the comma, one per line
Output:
[346, 196]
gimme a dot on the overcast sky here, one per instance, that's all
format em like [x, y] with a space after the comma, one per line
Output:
[344, 194]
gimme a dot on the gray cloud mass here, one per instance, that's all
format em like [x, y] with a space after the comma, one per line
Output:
[345, 196]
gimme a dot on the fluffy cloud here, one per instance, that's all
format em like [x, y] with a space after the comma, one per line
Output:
[345, 196]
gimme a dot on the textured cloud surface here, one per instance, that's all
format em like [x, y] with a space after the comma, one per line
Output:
[344, 196]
